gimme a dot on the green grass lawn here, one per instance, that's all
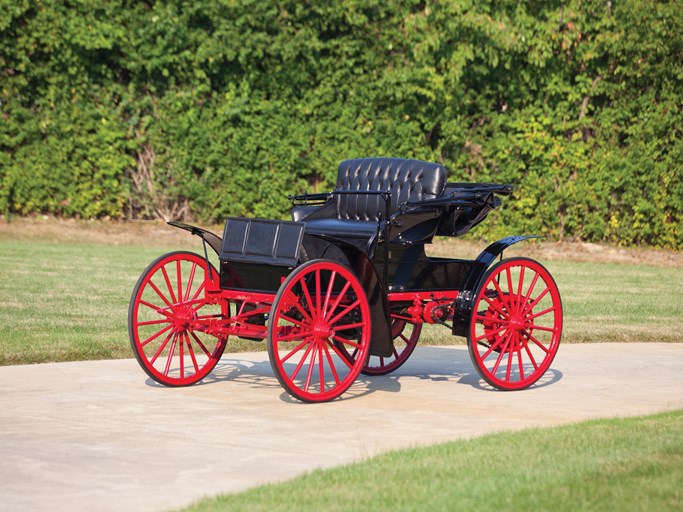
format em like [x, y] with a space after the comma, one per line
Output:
[64, 301]
[67, 301]
[607, 302]
[633, 464]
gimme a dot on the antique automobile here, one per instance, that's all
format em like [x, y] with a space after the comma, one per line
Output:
[346, 287]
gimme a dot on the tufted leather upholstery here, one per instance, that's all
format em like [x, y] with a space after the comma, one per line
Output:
[407, 180]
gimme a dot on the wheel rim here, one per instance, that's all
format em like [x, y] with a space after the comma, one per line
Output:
[516, 324]
[169, 317]
[405, 334]
[319, 308]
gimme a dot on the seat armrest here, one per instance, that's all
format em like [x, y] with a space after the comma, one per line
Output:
[303, 213]
[310, 199]
[502, 189]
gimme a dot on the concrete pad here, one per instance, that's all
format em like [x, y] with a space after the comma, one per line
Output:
[102, 436]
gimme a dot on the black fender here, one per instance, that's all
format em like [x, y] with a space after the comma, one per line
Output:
[214, 241]
[381, 342]
[466, 296]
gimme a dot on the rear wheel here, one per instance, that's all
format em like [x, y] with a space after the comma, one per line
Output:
[516, 324]
[405, 334]
[168, 319]
[319, 313]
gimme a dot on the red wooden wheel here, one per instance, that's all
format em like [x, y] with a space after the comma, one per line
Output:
[320, 307]
[516, 324]
[168, 319]
[406, 335]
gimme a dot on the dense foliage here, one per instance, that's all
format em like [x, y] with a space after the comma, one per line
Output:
[127, 109]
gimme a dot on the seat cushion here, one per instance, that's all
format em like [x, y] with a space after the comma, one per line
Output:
[407, 180]
[341, 228]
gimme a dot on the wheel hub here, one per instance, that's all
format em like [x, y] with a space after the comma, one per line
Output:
[322, 331]
[182, 318]
[517, 323]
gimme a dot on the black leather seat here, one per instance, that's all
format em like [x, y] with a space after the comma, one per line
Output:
[406, 180]
[356, 209]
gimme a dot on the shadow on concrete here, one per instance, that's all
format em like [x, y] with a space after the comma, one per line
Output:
[435, 364]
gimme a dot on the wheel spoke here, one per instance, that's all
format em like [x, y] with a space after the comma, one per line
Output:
[191, 352]
[538, 299]
[181, 351]
[338, 299]
[490, 333]
[201, 345]
[161, 295]
[190, 280]
[294, 321]
[301, 363]
[157, 309]
[309, 301]
[349, 326]
[495, 306]
[493, 346]
[168, 285]
[199, 291]
[540, 345]
[295, 336]
[502, 353]
[155, 336]
[171, 351]
[321, 369]
[179, 278]
[346, 342]
[509, 279]
[531, 287]
[295, 302]
[345, 311]
[161, 348]
[294, 350]
[318, 291]
[542, 328]
[311, 366]
[544, 312]
[531, 356]
[328, 295]
[502, 296]
[508, 367]
[333, 369]
[520, 287]
[519, 357]
[340, 355]
[154, 322]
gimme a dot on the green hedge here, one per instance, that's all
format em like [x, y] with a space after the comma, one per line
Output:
[197, 110]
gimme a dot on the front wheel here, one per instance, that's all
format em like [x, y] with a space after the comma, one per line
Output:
[516, 324]
[169, 318]
[319, 314]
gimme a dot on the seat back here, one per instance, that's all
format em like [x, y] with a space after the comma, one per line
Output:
[407, 180]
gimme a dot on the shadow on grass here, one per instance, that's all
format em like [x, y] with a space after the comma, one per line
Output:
[434, 364]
